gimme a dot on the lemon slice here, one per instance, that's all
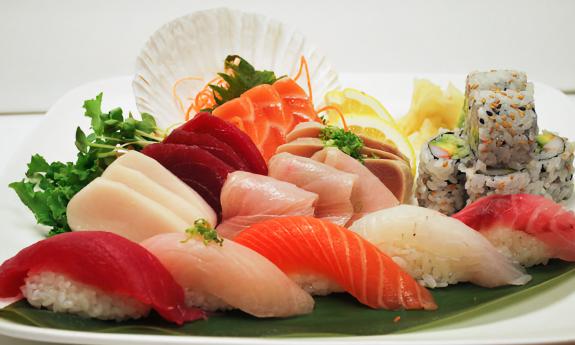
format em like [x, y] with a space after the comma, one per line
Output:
[361, 118]
[352, 101]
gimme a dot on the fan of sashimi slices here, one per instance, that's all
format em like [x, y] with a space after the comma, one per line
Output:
[185, 54]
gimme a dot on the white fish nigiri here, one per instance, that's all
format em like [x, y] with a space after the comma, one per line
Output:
[228, 276]
[369, 193]
[437, 250]
[333, 187]
[249, 198]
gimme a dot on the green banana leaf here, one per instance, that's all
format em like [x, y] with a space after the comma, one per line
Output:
[334, 315]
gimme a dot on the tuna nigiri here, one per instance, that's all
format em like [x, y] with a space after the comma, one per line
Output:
[437, 250]
[308, 248]
[251, 198]
[333, 187]
[530, 229]
[225, 275]
[94, 274]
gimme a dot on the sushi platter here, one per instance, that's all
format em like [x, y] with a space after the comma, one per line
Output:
[250, 194]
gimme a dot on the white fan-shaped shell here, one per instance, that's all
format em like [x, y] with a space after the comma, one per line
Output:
[197, 45]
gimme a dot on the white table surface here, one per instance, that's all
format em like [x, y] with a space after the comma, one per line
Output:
[14, 129]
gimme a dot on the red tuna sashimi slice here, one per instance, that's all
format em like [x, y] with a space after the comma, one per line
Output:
[209, 143]
[231, 135]
[198, 168]
[310, 245]
[533, 214]
[103, 260]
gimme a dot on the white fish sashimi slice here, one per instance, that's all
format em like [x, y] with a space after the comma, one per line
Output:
[140, 183]
[438, 250]
[250, 198]
[333, 187]
[111, 206]
[156, 172]
[369, 193]
[230, 274]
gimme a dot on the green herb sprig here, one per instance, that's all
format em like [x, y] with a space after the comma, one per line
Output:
[48, 187]
[203, 229]
[347, 141]
[240, 77]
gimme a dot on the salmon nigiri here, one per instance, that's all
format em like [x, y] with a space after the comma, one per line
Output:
[531, 229]
[268, 112]
[306, 248]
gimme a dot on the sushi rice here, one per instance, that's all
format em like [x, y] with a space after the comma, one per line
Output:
[58, 293]
[519, 246]
[440, 183]
[481, 181]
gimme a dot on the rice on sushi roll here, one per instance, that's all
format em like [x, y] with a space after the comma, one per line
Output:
[94, 274]
[552, 168]
[481, 181]
[502, 127]
[440, 184]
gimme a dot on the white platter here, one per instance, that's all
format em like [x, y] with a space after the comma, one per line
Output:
[546, 317]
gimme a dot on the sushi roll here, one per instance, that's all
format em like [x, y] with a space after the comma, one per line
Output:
[440, 184]
[94, 274]
[553, 166]
[529, 229]
[481, 181]
[437, 250]
[502, 127]
[490, 81]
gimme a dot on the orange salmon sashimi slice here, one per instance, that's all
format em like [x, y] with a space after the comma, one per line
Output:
[306, 244]
[268, 112]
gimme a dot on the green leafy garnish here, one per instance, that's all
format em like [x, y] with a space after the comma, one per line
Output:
[240, 77]
[203, 229]
[348, 142]
[48, 187]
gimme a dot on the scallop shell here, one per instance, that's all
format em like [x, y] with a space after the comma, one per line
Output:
[197, 45]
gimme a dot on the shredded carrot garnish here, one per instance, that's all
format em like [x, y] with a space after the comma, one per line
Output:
[303, 64]
[337, 110]
[205, 98]
[175, 95]
[396, 319]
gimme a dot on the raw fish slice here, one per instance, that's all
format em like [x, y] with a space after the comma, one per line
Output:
[530, 228]
[103, 260]
[230, 275]
[309, 245]
[156, 172]
[231, 135]
[310, 129]
[201, 170]
[268, 107]
[303, 147]
[333, 187]
[295, 101]
[369, 193]
[141, 184]
[240, 113]
[395, 174]
[437, 250]
[112, 206]
[250, 198]
[207, 142]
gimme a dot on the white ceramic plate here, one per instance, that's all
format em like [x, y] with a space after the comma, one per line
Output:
[546, 317]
